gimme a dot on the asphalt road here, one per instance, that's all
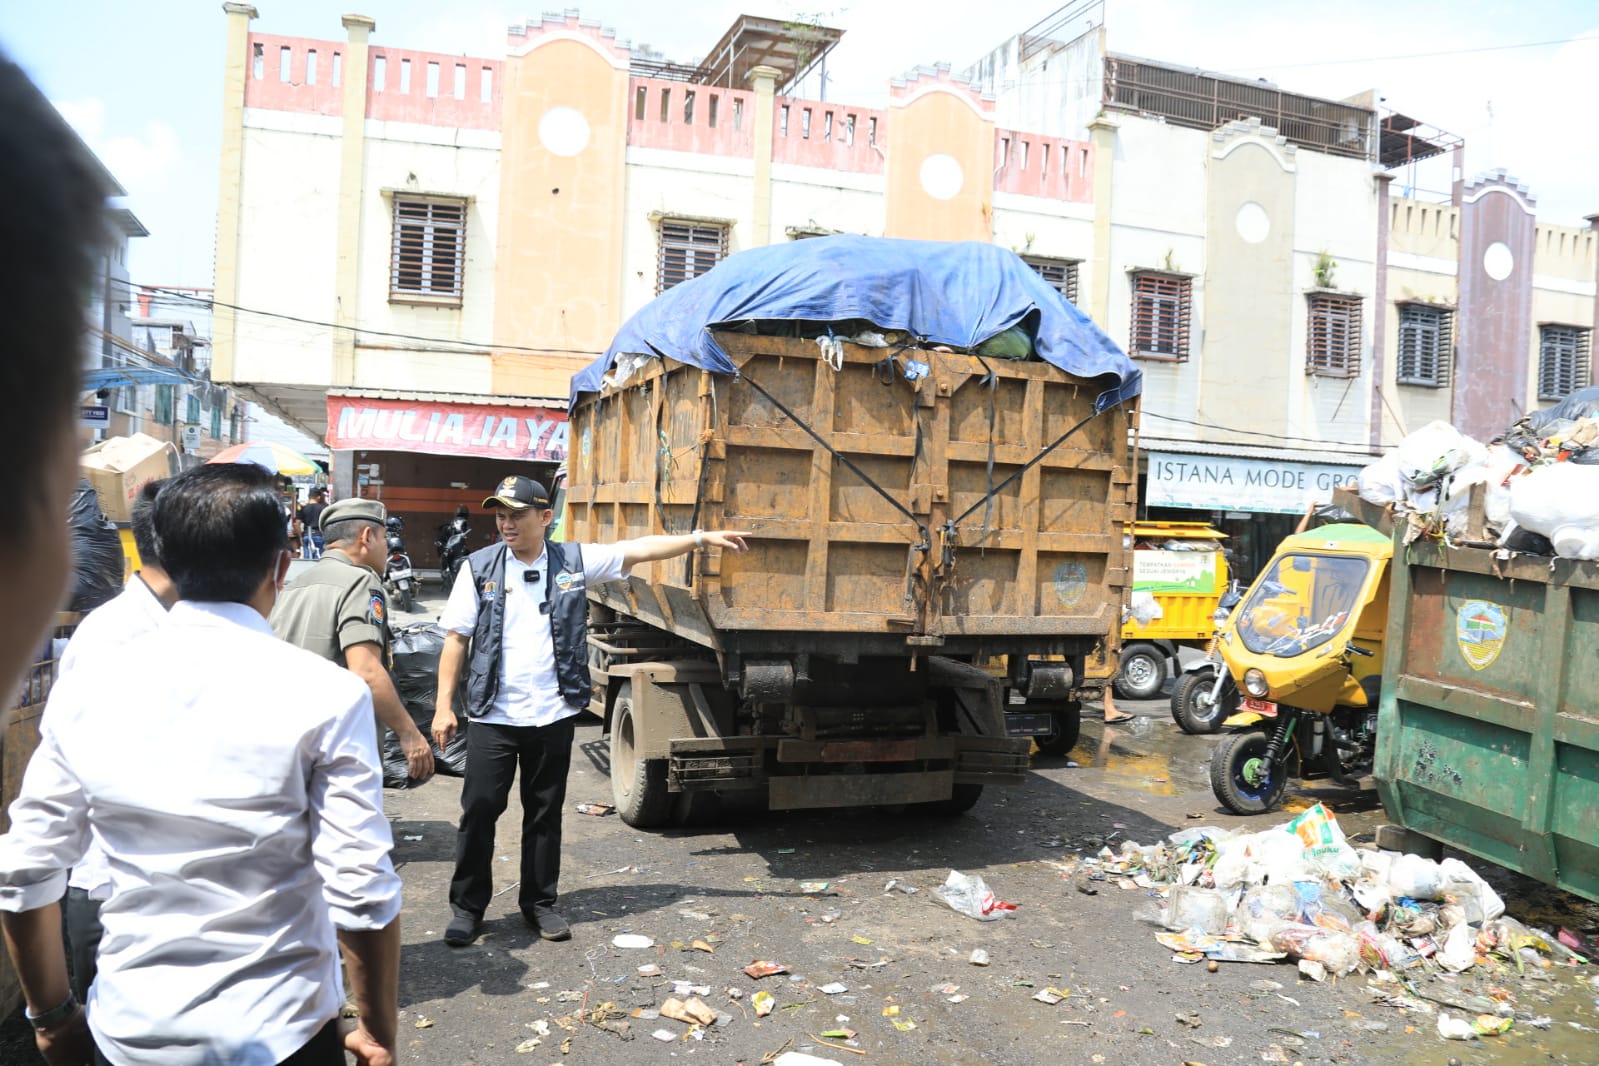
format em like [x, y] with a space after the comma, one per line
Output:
[738, 887]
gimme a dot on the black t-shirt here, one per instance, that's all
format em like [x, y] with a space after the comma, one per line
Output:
[311, 515]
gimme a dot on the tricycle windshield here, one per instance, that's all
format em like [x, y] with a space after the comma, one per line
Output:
[1300, 603]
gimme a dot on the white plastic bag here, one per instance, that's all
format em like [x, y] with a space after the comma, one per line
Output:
[1474, 894]
[1416, 877]
[1561, 501]
[1143, 609]
[1459, 951]
[1501, 466]
[971, 896]
[1433, 451]
[1380, 482]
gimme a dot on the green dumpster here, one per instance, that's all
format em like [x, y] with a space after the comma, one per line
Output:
[1488, 739]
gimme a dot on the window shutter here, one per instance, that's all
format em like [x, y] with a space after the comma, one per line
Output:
[1160, 316]
[1060, 273]
[1426, 345]
[1332, 338]
[687, 250]
[428, 259]
[1563, 354]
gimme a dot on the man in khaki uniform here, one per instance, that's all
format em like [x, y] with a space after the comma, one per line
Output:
[337, 610]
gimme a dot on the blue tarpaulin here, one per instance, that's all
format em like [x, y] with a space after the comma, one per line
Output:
[954, 293]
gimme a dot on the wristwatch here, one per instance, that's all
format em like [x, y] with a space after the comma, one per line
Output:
[53, 1017]
[699, 538]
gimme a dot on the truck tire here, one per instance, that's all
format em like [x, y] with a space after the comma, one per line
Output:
[1067, 721]
[637, 785]
[1142, 674]
[1232, 775]
[963, 799]
[1191, 705]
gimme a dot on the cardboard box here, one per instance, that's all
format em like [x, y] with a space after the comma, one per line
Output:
[118, 468]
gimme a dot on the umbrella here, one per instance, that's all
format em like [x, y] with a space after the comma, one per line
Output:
[275, 457]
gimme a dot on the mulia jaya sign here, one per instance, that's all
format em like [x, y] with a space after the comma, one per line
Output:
[498, 432]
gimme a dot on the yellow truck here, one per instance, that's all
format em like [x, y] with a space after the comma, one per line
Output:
[1181, 566]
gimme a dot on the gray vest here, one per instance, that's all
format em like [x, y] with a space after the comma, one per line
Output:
[567, 608]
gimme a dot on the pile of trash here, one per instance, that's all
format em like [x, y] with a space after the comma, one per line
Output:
[1540, 481]
[1301, 892]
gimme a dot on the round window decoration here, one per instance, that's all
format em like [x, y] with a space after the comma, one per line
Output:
[564, 131]
[1252, 223]
[941, 176]
[1497, 261]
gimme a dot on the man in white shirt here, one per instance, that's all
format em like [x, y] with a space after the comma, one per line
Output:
[232, 781]
[140, 607]
[517, 621]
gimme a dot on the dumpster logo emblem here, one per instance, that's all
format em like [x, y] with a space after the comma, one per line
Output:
[1480, 629]
[1071, 582]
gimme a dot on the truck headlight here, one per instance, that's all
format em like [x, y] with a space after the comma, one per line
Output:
[1255, 684]
[1219, 618]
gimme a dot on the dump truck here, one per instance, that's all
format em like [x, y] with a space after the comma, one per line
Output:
[929, 450]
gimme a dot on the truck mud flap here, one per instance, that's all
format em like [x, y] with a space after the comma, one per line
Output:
[991, 760]
[860, 790]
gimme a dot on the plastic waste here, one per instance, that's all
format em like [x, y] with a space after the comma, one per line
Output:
[979, 957]
[1433, 451]
[1325, 846]
[1380, 483]
[1339, 952]
[415, 672]
[631, 940]
[1453, 1028]
[1459, 951]
[799, 1058]
[1470, 892]
[1415, 877]
[1143, 609]
[971, 896]
[1560, 501]
[1188, 907]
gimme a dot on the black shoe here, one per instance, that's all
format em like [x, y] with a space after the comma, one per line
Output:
[462, 930]
[550, 925]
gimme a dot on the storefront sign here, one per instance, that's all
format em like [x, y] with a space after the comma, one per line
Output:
[531, 433]
[1224, 483]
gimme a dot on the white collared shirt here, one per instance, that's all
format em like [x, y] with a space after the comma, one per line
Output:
[129, 615]
[529, 693]
[232, 781]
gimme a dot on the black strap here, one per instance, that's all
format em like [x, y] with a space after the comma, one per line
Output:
[1034, 461]
[841, 457]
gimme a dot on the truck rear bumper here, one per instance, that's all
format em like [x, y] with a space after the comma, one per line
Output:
[800, 773]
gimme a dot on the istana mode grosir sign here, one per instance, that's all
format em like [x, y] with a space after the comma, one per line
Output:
[497, 432]
[1226, 483]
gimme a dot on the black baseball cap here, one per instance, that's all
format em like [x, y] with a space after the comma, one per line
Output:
[519, 493]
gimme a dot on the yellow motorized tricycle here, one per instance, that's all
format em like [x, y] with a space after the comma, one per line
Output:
[1305, 648]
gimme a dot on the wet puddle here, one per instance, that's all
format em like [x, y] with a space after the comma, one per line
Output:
[1567, 999]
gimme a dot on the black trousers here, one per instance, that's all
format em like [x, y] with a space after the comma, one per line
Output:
[492, 755]
[80, 923]
[326, 1048]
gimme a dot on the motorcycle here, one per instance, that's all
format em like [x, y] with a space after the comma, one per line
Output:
[452, 547]
[1305, 650]
[1205, 694]
[398, 578]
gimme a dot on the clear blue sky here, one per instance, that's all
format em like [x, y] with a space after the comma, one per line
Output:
[141, 80]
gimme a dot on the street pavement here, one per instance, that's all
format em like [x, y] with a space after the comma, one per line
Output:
[809, 890]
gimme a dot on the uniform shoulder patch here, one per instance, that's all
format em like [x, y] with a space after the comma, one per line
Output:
[377, 610]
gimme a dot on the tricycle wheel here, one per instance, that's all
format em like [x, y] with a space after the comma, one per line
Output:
[1240, 779]
[1192, 706]
[1142, 673]
[1066, 725]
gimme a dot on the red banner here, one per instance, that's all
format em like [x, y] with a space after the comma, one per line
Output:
[537, 434]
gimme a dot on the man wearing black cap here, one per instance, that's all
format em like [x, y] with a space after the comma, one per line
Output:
[337, 610]
[518, 630]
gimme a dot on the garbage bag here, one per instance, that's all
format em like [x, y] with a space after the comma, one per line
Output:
[415, 672]
[1584, 403]
[1380, 482]
[97, 564]
[1433, 451]
[1560, 501]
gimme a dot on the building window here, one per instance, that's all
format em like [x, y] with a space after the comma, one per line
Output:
[429, 251]
[1060, 273]
[1161, 310]
[216, 421]
[192, 410]
[687, 250]
[163, 405]
[1332, 340]
[1426, 345]
[1562, 360]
